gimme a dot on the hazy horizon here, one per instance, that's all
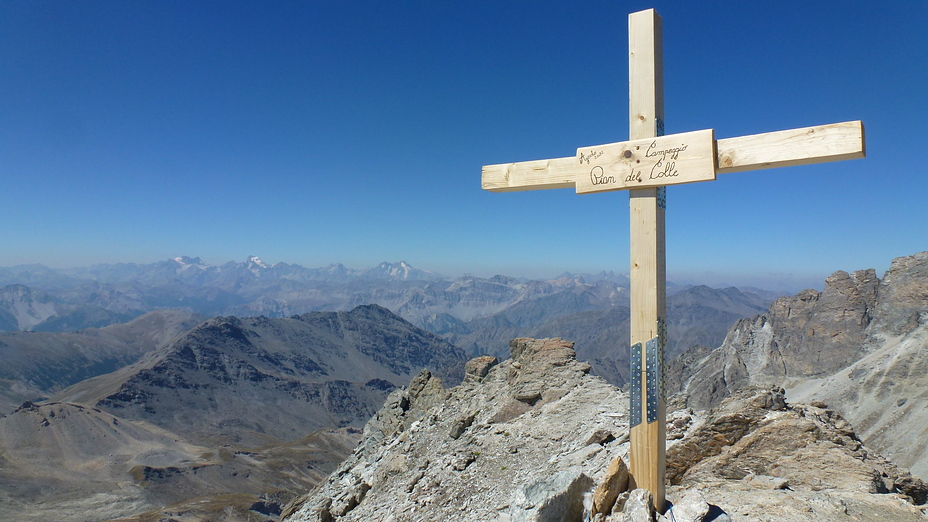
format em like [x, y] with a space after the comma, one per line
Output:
[764, 281]
[355, 132]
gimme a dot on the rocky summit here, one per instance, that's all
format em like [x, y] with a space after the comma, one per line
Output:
[537, 438]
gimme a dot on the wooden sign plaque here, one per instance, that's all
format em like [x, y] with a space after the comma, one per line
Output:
[651, 162]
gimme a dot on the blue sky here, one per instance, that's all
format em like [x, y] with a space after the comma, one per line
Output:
[354, 132]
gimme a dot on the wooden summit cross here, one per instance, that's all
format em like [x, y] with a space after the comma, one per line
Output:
[644, 166]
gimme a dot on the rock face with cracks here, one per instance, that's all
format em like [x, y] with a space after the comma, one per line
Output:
[536, 438]
[858, 346]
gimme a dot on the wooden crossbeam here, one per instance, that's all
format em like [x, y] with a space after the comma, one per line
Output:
[803, 146]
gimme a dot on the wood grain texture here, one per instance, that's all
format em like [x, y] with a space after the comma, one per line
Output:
[530, 175]
[802, 146]
[787, 148]
[647, 268]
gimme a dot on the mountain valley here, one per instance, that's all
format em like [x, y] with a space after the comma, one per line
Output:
[233, 412]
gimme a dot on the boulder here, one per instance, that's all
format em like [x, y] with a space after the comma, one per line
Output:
[612, 484]
[558, 498]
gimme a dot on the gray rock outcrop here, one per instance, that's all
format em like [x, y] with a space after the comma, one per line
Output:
[808, 335]
[859, 346]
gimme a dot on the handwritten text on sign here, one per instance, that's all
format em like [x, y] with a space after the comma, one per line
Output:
[651, 162]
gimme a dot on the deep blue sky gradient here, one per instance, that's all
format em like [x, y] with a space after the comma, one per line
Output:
[354, 132]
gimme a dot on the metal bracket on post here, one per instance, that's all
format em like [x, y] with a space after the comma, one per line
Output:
[654, 359]
[654, 375]
[634, 387]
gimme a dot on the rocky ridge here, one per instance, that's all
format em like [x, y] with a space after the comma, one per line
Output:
[858, 346]
[37, 365]
[257, 381]
[538, 438]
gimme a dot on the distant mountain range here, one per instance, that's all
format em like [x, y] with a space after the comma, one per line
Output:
[597, 319]
[478, 314]
[38, 298]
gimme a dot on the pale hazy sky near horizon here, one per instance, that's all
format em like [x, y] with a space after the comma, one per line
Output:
[354, 132]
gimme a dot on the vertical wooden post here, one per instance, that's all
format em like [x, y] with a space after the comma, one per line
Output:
[647, 268]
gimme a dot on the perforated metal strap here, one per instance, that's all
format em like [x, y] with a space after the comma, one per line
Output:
[634, 387]
[654, 375]
[654, 360]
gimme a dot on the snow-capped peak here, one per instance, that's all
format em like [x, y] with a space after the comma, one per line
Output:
[255, 261]
[187, 262]
[401, 271]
